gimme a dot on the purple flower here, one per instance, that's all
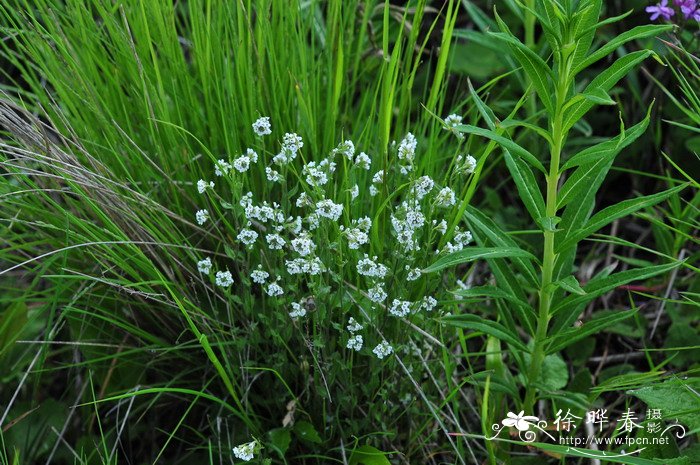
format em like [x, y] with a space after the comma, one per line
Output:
[661, 9]
[689, 8]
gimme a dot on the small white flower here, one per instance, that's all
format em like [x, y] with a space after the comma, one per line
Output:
[373, 191]
[202, 216]
[303, 245]
[353, 326]
[441, 226]
[298, 310]
[224, 278]
[445, 198]
[313, 266]
[259, 276]
[469, 164]
[202, 186]
[346, 149]
[272, 175]
[369, 267]
[328, 209]
[363, 161]
[423, 186]
[428, 303]
[241, 164]
[262, 127]
[378, 177]
[451, 123]
[274, 289]
[407, 148]
[247, 236]
[355, 343]
[364, 223]
[222, 167]
[413, 274]
[382, 350]
[354, 192]
[356, 238]
[245, 452]
[204, 266]
[275, 241]
[377, 294]
[400, 308]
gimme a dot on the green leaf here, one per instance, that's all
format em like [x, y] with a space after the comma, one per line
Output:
[306, 431]
[368, 455]
[534, 66]
[477, 323]
[549, 223]
[491, 292]
[605, 81]
[495, 235]
[527, 185]
[570, 307]
[612, 146]
[474, 253]
[487, 232]
[279, 439]
[565, 338]
[598, 96]
[583, 23]
[486, 113]
[677, 399]
[555, 373]
[609, 47]
[504, 142]
[610, 214]
[570, 284]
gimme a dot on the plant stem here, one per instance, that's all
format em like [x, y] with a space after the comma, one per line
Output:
[549, 258]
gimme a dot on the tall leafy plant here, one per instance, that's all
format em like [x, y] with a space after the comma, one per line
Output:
[541, 295]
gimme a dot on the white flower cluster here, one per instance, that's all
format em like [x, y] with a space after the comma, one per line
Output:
[451, 123]
[202, 186]
[298, 310]
[245, 452]
[224, 278]
[407, 153]
[355, 341]
[383, 349]
[318, 174]
[291, 144]
[460, 240]
[327, 232]
[465, 164]
[262, 126]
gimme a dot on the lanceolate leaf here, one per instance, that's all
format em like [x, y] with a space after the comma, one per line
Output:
[583, 31]
[534, 66]
[489, 230]
[610, 214]
[605, 81]
[570, 307]
[474, 253]
[570, 284]
[615, 145]
[486, 113]
[565, 338]
[638, 32]
[527, 186]
[504, 142]
[490, 292]
[489, 327]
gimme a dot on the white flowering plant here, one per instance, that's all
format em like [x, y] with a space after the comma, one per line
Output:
[342, 239]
